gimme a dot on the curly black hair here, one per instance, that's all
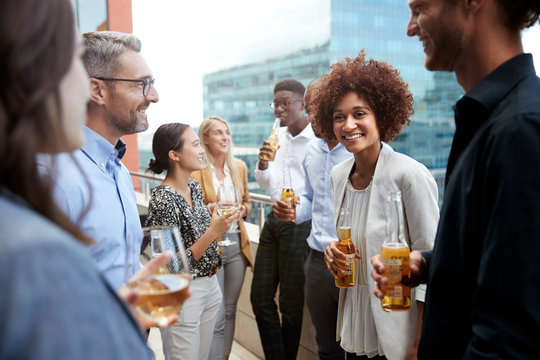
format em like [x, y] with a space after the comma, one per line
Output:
[375, 81]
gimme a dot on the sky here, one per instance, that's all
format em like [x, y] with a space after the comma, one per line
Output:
[182, 40]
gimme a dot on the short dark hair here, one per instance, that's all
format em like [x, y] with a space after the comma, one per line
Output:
[291, 85]
[375, 81]
[166, 138]
[519, 14]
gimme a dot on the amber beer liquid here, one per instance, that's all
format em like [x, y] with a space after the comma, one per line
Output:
[395, 257]
[287, 195]
[396, 262]
[272, 141]
[346, 246]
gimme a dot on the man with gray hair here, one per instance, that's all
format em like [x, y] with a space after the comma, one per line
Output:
[102, 200]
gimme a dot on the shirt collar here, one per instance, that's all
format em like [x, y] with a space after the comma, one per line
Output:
[323, 145]
[307, 132]
[498, 83]
[99, 149]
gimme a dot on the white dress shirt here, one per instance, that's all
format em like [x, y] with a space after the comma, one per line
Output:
[291, 152]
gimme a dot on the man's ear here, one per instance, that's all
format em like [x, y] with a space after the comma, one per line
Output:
[98, 91]
[472, 6]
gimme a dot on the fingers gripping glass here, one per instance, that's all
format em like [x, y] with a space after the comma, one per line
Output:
[147, 83]
[162, 294]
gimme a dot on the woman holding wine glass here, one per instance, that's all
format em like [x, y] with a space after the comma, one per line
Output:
[55, 303]
[178, 201]
[226, 177]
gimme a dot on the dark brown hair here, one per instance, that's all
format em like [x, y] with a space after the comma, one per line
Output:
[291, 85]
[375, 81]
[36, 46]
[166, 138]
[519, 14]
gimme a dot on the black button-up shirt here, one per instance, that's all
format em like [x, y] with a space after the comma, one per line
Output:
[483, 298]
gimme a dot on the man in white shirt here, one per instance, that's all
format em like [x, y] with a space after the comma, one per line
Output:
[322, 295]
[282, 244]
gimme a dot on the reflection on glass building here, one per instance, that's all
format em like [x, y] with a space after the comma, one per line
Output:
[90, 15]
[242, 94]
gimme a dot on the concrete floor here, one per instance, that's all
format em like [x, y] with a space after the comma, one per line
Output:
[238, 352]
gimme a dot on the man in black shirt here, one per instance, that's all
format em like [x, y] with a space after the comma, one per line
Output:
[483, 274]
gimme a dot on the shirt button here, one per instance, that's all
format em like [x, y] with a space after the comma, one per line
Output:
[102, 164]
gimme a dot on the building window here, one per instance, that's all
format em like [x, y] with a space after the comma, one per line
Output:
[90, 15]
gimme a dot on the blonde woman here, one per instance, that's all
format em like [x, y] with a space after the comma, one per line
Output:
[223, 170]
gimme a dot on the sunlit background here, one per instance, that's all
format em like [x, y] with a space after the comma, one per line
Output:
[184, 40]
[223, 58]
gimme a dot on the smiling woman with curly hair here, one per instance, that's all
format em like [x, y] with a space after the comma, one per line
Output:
[378, 83]
[364, 104]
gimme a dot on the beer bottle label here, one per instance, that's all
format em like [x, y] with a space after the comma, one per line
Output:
[350, 260]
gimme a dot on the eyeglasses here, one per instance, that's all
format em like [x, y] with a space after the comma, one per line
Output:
[147, 83]
[284, 104]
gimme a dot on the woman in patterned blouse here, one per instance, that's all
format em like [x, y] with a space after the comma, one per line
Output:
[179, 201]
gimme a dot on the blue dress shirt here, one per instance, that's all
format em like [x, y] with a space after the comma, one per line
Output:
[112, 218]
[316, 201]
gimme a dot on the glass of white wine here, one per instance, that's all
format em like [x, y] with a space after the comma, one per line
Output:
[162, 294]
[227, 201]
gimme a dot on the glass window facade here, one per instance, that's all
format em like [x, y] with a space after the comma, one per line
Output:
[90, 15]
[242, 94]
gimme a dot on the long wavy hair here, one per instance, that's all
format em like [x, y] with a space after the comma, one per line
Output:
[36, 46]
[204, 129]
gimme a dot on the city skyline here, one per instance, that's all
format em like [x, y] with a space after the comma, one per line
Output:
[181, 44]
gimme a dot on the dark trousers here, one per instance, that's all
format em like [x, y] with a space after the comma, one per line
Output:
[279, 261]
[322, 298]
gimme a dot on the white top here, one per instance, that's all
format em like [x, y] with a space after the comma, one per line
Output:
[291, 152]
[227, 183]
[355, 323]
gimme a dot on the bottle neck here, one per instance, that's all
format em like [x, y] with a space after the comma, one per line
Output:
[395, 237]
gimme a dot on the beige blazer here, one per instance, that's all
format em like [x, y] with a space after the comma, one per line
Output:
[204, 177]
[393, 172]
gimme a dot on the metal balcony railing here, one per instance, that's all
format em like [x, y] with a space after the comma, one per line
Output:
[150, 181]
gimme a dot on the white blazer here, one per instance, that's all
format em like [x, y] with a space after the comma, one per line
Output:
[393, 172]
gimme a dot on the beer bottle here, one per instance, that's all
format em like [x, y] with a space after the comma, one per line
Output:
[287, 192]
[273, 140]
[395, 257]
[346, 246]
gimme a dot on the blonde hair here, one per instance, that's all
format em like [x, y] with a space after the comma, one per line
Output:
[204, 129]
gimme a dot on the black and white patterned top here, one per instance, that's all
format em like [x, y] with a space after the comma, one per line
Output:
[167, 207]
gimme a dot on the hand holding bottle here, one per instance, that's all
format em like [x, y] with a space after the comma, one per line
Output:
[336, 260]
[268, 151]
[283, 209]
[395, 255]
[418, 268]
